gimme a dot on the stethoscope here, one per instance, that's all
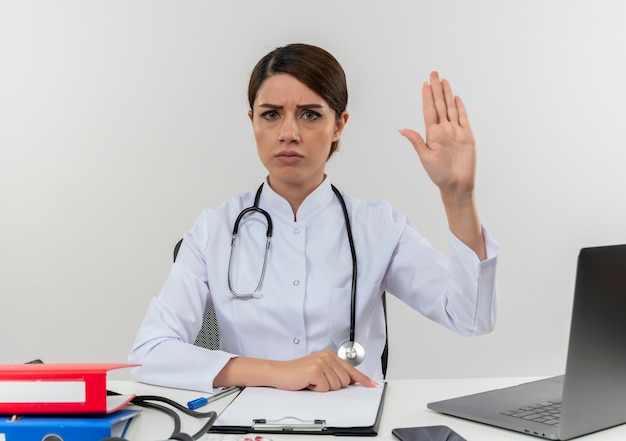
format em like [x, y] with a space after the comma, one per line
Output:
[351, 351]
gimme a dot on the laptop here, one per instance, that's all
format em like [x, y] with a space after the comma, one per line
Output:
[591, 396]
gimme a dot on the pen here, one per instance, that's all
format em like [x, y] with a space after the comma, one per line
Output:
[199, 402]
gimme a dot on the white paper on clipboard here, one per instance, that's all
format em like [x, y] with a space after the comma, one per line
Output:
[353, 406]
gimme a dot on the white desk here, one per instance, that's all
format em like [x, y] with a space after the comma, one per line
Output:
[405, 406]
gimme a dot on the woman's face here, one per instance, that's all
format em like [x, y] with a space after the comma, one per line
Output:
[294, 128]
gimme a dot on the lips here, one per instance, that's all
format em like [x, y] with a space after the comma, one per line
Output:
[289, 157]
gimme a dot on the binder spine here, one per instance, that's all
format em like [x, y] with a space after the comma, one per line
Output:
[68, 428]
[52, 432]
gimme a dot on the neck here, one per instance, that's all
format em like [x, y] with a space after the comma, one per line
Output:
[293, 194]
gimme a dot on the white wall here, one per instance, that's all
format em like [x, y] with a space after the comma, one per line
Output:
[121, 120]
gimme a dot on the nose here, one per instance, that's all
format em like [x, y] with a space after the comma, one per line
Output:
[289, 131]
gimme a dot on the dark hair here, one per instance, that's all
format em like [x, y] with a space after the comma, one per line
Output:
[312, 66]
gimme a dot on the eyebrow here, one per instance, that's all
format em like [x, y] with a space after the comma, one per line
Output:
[299, 106]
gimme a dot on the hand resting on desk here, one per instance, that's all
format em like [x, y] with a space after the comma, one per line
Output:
[321, 371]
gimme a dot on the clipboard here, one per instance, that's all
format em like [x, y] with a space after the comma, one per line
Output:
[353, 411]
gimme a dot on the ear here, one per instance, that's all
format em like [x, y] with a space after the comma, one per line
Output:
[340, 125]
[250, 115]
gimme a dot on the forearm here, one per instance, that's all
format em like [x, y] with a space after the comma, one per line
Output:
[463, 220]
[246, 371]
[320, 371]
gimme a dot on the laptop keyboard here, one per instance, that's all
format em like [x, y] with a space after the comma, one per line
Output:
[547, 412]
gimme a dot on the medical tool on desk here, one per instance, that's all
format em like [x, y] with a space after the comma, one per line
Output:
[147, 401]
[351, 351]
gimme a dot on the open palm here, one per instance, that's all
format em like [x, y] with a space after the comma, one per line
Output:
[448, 155]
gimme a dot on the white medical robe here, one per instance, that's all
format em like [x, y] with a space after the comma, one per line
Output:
[306, 291]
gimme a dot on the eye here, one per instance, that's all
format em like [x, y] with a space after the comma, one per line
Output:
[270, 115]
[310, 115]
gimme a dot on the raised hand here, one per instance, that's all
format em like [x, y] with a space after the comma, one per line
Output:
[448, 155]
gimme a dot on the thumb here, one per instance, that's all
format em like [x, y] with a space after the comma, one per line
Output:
[414, 138]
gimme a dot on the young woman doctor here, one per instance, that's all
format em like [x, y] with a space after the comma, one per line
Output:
[283, 312]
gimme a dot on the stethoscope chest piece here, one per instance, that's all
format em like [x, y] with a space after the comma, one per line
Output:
[352, 352]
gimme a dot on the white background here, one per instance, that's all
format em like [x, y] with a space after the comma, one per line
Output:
[121, 120]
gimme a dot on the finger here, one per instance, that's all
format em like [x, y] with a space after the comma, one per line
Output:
[416, 139]
[337, 372]
[319, 384]
[337, 378]
[359, 377]
[453, 114]
[329, 372]
[343, 372]
[463, 116]
[438, 97]
[428, 105]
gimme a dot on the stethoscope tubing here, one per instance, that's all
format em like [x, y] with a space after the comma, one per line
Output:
[268, 235]
[350, 351]
[354, 262]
